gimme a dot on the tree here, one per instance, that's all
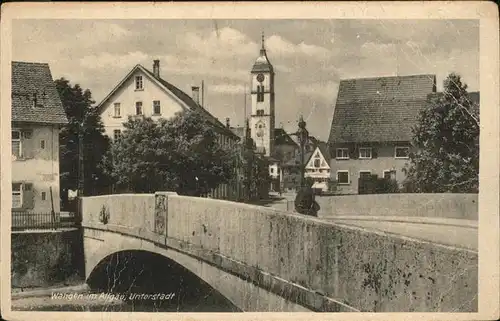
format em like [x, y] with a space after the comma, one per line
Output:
[82, 118]
[446, 139]
[179, 154]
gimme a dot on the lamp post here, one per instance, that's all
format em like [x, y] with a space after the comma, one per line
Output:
[303, 136]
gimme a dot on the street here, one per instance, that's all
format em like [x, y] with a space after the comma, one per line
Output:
[452, 232]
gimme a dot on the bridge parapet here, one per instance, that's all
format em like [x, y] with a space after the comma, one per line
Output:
[321, 265]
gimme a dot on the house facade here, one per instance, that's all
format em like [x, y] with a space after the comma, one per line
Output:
[37, 117]
[318, 168]
[372, 127]
[143, 93]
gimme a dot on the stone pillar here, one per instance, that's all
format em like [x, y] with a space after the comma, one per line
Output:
[161, 212]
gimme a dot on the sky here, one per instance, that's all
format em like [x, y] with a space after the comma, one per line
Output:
[310, 57]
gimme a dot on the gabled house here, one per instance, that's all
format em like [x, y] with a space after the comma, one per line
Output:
[290, 169]
[372, 127]
[317, 167]
[37, 117]
[144, 93]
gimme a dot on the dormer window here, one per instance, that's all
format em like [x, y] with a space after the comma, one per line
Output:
[138, 83]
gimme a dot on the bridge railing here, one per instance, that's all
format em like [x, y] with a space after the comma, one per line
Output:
[42, 220]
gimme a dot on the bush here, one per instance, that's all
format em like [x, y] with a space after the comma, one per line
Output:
[375, 185]
[305, 203]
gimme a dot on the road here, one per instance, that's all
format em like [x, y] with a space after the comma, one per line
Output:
[453, 232]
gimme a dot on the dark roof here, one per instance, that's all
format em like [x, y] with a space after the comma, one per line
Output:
[262, 63]
[28, 79]
[379, 109]
[188, 100]
[323, 148]
[281, 137]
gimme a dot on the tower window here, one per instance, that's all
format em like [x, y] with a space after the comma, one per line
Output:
[260, 112]
[260, 93]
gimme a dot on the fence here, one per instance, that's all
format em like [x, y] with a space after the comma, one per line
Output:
[41, 221]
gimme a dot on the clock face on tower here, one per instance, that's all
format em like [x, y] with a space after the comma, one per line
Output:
[260, 133]
[260, 77]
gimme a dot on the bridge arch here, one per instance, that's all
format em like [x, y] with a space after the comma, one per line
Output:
[102, 245]
[135, 274]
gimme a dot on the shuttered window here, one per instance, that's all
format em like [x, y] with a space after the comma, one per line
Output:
[17, 195]
[16, 143]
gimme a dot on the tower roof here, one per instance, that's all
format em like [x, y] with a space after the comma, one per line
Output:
[262, 63]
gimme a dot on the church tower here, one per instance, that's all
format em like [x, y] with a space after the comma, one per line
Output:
[262, 120]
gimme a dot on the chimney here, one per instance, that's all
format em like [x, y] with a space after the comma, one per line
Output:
[227, 123]
[156, 68]
[196, 94]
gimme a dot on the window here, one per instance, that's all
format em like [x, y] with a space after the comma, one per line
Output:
[117, 110]
[42, 144]
[156, 107]
[27, 134]
[138, 108]
[365, 153]
[260, 93]
[16, 143]
[402, 152]
[17, 195]
[342, 153]
[43, 196]
[365, 174]
[389, 174]
[343, 177]
[317, 163]
[138, 83]
[260, 112]
[272, 170]
[117, 134]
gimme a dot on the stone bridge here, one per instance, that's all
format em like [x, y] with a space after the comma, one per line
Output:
[264, 259]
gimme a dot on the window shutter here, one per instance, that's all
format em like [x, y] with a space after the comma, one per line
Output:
[27, 144]
[28, 196]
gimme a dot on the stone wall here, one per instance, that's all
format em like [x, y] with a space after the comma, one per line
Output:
[458, 206]
[40, 259]
[303, 258]
[363, 269]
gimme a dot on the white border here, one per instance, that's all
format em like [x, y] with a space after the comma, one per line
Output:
[487, 12]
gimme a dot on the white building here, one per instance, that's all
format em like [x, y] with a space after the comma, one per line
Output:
[142, 93]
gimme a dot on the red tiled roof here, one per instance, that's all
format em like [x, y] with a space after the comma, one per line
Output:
[379, 109]
[29, 79]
